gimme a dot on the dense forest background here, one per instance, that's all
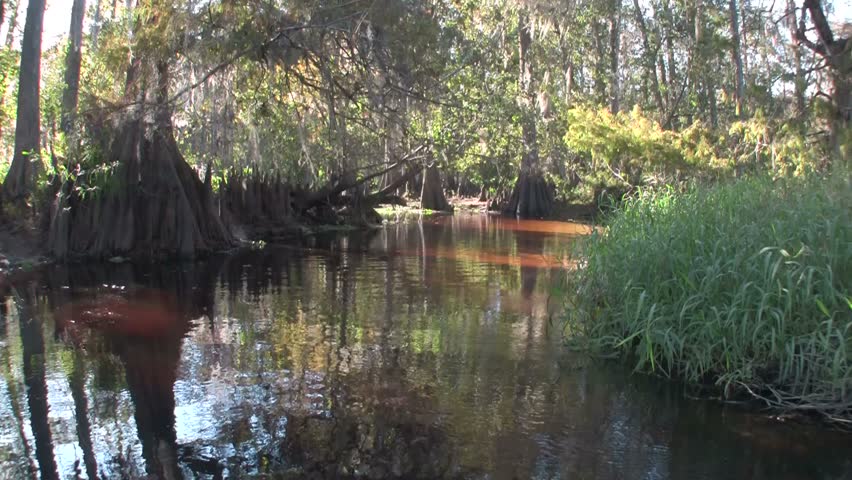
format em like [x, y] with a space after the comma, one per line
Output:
[165, 121]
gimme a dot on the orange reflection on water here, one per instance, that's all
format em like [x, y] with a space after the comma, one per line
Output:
[492, 258]
[480, 222]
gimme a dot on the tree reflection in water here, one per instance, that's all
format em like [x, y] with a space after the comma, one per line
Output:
[143, 329]
[418, 351]
[32, 341]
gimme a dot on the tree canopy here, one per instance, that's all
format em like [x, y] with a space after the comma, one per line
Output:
[521, 102]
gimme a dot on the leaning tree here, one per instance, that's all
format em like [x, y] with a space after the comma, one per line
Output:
[837, 53]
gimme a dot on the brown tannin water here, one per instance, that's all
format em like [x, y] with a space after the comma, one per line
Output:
[421, 350]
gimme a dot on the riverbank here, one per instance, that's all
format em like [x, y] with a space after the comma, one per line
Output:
[24, 238]
[472, 205]
[21, 248]
[743, 287]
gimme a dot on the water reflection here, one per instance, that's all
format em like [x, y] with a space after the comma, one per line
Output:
[32, 342]
[359, 356]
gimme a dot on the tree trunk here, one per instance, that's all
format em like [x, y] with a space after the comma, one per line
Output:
[133, 90]
[838, 56]
[711, 97]
[531, 195]
[569, 83]
[744, 38]
[799, 81]
[599, 73]
[841, 132]
[305, 148]
[737, 55]
[336, 125]
[650, 60]
[73, 59]
[133, 86]
[614, 52]
[96, 24]
[703, 79]
[154, 204]
[432, 191]
[567, 68]
[13, 24]
[163, 114]
[20, 180]
[697, 73]
[671, 97]
[395, 116]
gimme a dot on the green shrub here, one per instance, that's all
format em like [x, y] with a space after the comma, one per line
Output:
[627, 150]
[627, 146]
[745, 286]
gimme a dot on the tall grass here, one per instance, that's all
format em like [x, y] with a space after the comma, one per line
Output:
[745, 286]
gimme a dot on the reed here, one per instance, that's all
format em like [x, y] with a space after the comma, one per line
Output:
[743, 286]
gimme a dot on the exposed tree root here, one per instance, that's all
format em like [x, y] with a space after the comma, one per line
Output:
[152, 204]
[257, 198]
[531, 198]
[432, 192]
[266, 207]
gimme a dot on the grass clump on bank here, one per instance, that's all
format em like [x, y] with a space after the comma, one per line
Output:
[398, 213]
[745, 286]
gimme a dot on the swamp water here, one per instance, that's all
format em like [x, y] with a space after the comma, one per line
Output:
[421, 350]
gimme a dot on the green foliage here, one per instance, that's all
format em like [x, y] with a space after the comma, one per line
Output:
[747, 285]
[618, 153]
[87, 165]
[103, 71]
[9, 64]
[628, 144]
[340, 80]
[52, 86]
[628, 150]
[781, 147]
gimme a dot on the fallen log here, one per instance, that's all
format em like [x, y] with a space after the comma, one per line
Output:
[399, 182]
[329, 193]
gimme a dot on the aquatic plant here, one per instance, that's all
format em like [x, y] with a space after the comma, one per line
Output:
[743, 286]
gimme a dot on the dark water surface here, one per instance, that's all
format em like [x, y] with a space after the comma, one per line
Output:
[417, 351]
